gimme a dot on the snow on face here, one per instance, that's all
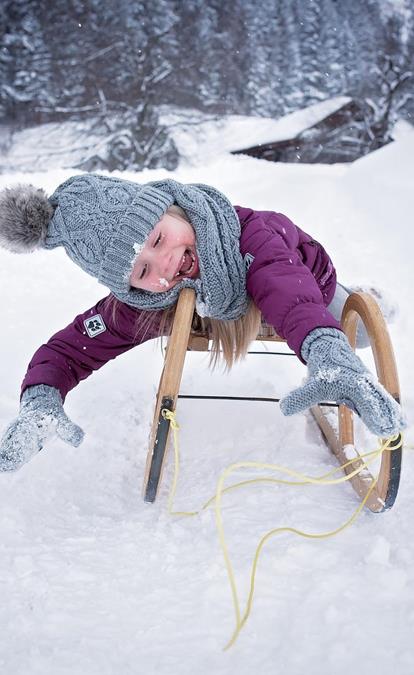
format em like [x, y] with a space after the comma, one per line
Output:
[138, 248]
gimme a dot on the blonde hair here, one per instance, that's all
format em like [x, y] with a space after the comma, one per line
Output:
[176, 210]
[230, 340]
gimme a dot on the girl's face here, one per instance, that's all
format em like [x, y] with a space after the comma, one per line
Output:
[167, 257]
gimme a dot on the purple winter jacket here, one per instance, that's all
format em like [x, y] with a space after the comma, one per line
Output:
[289, 276]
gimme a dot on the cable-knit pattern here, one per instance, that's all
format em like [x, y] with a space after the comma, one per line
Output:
[337, 374]
[41, 414]
[100, 220]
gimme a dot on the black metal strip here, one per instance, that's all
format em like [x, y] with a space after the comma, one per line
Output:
[158, 451]
[208, 351]
[275, 353]
[233, 398]
[395, 473]
[248, 398]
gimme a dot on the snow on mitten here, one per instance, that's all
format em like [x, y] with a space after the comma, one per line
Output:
[337, 374]
[41, 414]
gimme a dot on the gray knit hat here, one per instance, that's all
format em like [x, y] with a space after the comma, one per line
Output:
[102, 222]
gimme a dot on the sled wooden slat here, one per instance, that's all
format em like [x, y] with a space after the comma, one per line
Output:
[339, 435]
[168, 389]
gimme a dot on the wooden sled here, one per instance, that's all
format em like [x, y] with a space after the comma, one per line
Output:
[339, 436]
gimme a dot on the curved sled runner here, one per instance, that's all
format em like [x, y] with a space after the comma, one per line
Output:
[341, 439]
[339, 436]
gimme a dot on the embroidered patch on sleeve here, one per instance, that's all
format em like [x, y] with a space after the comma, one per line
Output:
[94, 325]
[248, 259]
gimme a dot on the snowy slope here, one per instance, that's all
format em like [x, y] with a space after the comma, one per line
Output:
[95, 582]
[199, 137]
[210, 137]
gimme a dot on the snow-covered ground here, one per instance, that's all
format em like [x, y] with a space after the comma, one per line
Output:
[197, 136]
[95, 582]
[211, 137]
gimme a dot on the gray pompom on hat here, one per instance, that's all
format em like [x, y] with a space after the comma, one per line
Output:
[99, 220]
[25, 213]
[102, 222]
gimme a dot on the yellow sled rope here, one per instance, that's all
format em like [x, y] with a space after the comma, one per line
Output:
[301, 479]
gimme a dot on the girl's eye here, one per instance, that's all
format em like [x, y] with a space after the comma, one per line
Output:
[157, 241]
[143, 272]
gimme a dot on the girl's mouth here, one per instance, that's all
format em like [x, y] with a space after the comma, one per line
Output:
[188, 263]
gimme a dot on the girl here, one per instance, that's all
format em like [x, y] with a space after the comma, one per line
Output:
[147, 242]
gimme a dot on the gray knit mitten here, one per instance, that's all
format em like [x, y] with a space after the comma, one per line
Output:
[41, 413]
[337, 374]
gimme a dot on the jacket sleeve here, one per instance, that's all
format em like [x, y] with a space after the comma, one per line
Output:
[91, 340]
[281, 285]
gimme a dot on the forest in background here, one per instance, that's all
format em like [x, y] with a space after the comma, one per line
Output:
[117, 63]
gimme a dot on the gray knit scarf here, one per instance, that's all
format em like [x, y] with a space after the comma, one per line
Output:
[221, 287]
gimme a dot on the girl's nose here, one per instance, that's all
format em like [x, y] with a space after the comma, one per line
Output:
[165, 264]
